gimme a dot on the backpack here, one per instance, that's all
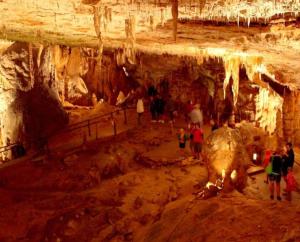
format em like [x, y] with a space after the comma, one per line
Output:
[269, 167]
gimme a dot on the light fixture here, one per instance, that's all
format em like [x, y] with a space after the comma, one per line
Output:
[254, 157]
[233, 176]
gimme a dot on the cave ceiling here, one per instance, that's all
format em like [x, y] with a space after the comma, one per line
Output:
[267, 30]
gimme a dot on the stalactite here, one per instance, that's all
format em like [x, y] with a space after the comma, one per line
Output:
[31, 67]
[232, 68]
[175, 18]
[97, 20]
[162, 17]
[129, 48]
[268, 105]
[201, 5]
[41, 47]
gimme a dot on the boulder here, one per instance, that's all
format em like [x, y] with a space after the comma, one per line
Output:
[224, 152]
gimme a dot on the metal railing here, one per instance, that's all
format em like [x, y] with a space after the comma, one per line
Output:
[85, 124]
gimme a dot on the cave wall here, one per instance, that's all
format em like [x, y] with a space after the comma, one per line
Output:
[107, 79]
[31, 109]
[291, 116]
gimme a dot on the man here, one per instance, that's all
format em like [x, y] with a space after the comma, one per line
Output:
[196, 115]
[290, 155]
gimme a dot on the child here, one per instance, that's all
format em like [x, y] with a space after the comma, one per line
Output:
[182, 138]
[291, 184]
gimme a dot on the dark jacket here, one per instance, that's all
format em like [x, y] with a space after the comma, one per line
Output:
[276, 164]
[290, 158]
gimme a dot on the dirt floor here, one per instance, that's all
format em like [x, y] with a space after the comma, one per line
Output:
[134, 187]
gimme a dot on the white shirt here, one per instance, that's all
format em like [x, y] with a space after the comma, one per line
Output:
[140, 106]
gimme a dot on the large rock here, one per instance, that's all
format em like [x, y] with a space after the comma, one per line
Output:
[225, 150]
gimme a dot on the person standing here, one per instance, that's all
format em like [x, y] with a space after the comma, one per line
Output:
[196, 115]
[140, 109]
[275, 175]
[160, 108]
[197, 140]
[191, 129]
[288, 159]
[182, 138]
[153, 110]
[290, 155]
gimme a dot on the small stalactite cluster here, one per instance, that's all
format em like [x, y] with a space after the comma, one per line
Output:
[128, 51]
[232, 65]
[268, 106]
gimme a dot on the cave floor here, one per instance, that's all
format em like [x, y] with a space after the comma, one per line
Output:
[61, 198]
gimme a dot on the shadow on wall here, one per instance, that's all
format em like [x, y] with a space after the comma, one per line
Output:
[42, 112]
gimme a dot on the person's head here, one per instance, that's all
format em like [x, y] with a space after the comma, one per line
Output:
[290, 169]
[197, 126]
[181, 131]
[277, 151]
[285, 149]
[289, 145]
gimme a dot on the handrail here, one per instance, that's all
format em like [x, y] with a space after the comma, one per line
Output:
[72, 127]
[88, 122]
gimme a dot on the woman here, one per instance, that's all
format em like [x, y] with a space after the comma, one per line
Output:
[140, 109]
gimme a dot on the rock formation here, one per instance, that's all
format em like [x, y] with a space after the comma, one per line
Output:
[31, 109]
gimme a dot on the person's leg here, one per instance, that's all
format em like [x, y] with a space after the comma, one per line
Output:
[139, 118]
[278, 190]
[192, 148]
[285, 180]
[200, 152]
[152, 115]
[271, 187]
[181, 150]
[278, 187]
[197, 151]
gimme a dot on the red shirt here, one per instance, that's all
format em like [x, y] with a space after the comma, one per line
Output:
[197, 135]
[267, 158]
[189, 107]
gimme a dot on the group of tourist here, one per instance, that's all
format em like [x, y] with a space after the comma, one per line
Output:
[277, 165]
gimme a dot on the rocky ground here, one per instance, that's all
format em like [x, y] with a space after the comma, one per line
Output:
[132, 188]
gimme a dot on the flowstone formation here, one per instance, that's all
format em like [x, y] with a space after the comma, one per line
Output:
[30, 107]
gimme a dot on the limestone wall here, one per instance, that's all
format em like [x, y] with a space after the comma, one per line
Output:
[291, 117]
